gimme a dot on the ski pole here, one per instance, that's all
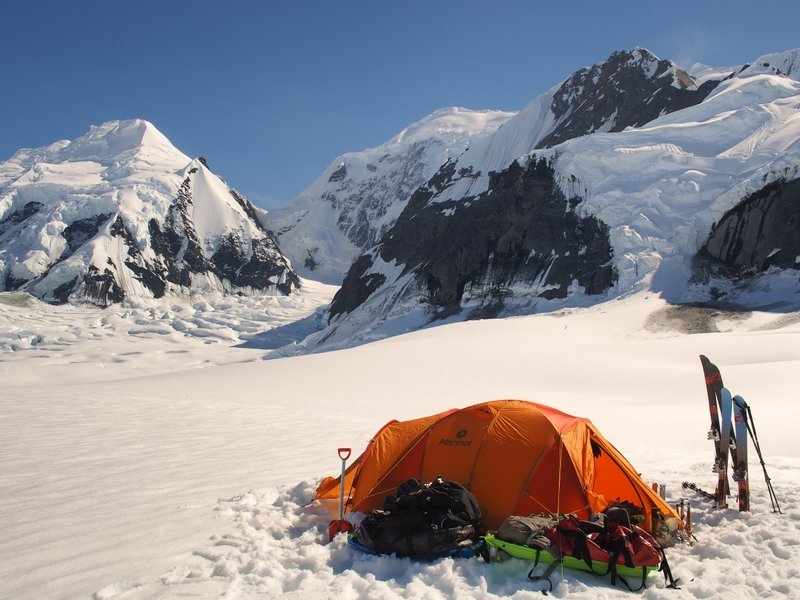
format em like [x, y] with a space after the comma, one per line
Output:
[751, 427]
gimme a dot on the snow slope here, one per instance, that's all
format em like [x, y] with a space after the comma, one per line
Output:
[172, 462]
[780, 63]
[360, 194]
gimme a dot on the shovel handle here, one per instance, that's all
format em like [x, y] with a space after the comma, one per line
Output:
[344, 454]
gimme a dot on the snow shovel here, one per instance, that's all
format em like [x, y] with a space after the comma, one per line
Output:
[341, 524]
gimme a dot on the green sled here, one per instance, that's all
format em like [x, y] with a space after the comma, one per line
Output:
[526, 553]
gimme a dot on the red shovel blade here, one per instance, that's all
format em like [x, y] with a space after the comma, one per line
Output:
[339, 526]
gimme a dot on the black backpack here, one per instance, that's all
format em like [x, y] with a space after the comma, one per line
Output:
[422, 521]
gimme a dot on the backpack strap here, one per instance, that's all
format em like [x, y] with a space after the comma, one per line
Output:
[616, 577]
[581, 548]
[457, 519]
[618, 546]
[549, 570]
[669, 580]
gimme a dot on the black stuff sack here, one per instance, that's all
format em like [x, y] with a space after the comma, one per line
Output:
[422, 521]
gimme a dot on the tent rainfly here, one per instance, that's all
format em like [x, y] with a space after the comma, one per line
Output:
[517, 458]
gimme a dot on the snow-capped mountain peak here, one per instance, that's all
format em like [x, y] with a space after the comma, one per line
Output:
[119, 213]
[110, 142]
[629, 89]
[130, 150]
[628, 175]
[448, 122]
[361, 194]
[119, 138]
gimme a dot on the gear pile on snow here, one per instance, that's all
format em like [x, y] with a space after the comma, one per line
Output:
[490, 462]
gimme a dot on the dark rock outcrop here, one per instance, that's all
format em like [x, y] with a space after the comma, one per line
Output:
[257, 264]
[358, 286]
[10, 226]
[102, 287]
[81, 231]
[629, 89]
[263, 265]
[338, 175]
[761, 232]
[19, 216]
[525, 231]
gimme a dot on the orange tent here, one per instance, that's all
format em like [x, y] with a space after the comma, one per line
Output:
[517, 458]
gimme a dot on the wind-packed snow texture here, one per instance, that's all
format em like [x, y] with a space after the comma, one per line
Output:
[150, 453]
[360, 195]
[121, 213]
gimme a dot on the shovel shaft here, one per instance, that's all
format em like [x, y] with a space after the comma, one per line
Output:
[344, 454]
[341, 493]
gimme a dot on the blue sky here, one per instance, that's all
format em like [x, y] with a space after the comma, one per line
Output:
[271, 91]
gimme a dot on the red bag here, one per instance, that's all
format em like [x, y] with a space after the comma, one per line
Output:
[633, 547]
[609, 544]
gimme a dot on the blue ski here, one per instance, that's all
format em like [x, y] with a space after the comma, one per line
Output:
[740, 456]
[721, 466]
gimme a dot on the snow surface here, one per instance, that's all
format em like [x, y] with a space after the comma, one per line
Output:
[147, 451]
[785, 63]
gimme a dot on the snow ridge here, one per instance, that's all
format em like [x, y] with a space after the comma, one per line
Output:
[781, 63]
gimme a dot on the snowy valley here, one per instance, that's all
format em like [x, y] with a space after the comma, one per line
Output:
[141, 461]
[179, 367]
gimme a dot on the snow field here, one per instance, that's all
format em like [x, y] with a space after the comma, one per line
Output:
[165, 480]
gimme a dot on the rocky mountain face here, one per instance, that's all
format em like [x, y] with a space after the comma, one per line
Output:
[525, 233]
[361, 194]
[520, 229]
[628, 175]
[629, 89]
[120, 213]
[757, 236]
